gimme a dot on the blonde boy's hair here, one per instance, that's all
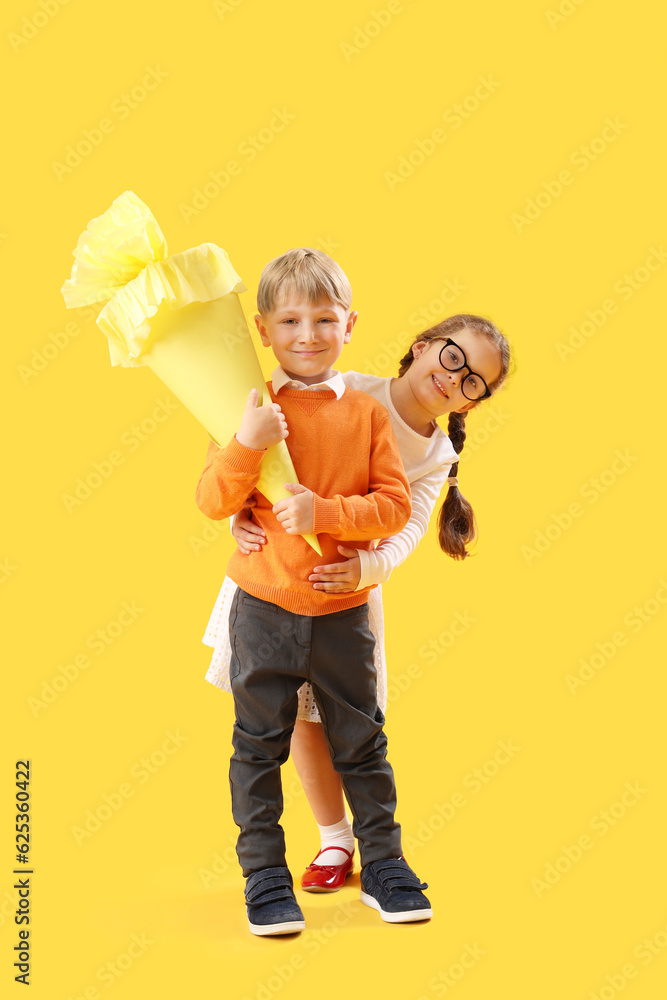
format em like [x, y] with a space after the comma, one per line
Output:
[312, 274]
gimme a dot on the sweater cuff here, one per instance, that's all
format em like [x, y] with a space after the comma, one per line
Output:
[237, 458]
[326, 515]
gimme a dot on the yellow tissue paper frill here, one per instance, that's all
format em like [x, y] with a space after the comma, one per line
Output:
[201, 274]
[122, 256]
[113, 249]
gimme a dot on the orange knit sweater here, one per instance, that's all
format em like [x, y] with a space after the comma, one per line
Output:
[344, 450]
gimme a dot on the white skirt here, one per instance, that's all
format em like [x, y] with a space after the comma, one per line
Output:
[217, 636]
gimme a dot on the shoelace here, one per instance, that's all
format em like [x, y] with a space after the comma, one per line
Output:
[268, 885]
[397, 874]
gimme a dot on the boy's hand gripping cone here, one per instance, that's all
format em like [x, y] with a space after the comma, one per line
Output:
[179, 315]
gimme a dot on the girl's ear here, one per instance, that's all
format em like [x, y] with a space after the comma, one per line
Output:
[419, 347]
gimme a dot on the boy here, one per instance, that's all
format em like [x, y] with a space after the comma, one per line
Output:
[283, 632]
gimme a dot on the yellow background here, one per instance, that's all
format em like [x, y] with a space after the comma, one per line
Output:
[161, 866]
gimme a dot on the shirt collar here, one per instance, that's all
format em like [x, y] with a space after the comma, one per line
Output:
[280, 378]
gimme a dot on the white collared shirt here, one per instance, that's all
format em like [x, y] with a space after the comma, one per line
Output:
[280, 378]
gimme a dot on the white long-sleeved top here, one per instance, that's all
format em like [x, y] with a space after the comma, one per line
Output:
[427, 462]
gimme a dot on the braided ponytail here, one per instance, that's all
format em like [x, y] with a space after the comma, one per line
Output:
[457, 526]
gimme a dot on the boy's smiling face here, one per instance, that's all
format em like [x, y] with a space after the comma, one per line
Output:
[306, 337]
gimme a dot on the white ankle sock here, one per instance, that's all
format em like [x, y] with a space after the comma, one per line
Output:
[337, 835]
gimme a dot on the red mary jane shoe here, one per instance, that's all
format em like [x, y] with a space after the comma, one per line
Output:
[327, 878]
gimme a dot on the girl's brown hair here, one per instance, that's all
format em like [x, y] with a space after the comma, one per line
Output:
[457, 527]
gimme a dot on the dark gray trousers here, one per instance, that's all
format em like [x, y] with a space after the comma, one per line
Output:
[273, 652]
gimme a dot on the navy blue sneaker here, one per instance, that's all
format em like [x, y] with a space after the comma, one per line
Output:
[271, 904]
[392, 887]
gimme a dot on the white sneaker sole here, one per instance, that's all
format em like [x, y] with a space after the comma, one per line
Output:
[287, 927]
[404, 917]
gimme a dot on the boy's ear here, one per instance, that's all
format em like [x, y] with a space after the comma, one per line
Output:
[259, 323]
[351, 320]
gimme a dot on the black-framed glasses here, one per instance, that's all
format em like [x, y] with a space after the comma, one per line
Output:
[473, 386]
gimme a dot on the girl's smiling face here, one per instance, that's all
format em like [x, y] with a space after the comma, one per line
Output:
[438, 391]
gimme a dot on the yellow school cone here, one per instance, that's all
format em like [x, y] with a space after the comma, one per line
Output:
[180, 316]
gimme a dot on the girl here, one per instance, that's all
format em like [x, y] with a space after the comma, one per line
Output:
[449, 368]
